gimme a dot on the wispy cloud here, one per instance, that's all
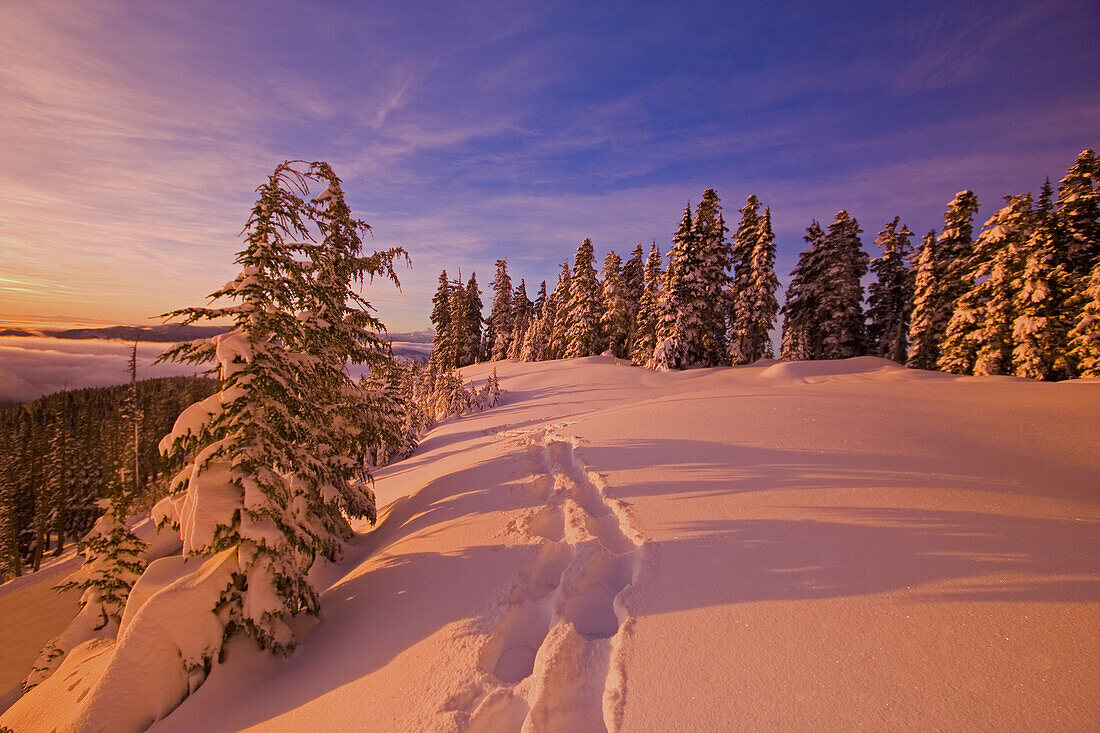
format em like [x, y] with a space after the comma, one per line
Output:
[135, 134]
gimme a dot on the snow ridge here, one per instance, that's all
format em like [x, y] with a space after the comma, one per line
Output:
[554, 656]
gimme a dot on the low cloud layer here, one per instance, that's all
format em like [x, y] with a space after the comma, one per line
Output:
[31, 367]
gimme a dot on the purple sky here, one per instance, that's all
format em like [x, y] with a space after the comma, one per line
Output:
[135, 133]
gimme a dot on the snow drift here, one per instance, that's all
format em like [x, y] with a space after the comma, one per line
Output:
[831, 545]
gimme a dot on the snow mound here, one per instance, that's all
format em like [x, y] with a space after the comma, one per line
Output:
[810, 372]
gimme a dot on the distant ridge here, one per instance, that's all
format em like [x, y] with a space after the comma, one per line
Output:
[172, 333]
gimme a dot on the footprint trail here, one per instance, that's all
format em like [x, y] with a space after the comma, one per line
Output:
[552, 658]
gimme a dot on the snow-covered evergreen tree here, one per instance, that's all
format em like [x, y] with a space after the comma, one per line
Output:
[841, 293]
[111, 563]
[540, 300]
[802, 312]
[557, 314]
[534, 340]
[890, 297]
[955, 254]
[445, 344]
[501, 316]
[1084, 340]
[744, 242]
[274, 462]
[979, 334]
[1040, 329]
[1079, 215]
[616, 314]
[583, 336]
[924, 346]
[715, 258]
[645, 329]
[755, 304]
[523, 310]
[471, 350]
[338, 328]
[633, 287]
[460, 322]
[677, 335]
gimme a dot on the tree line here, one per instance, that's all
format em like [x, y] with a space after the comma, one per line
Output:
[65, 452]
[1020, 298]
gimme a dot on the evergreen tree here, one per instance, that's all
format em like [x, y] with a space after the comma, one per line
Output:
[112, 563]
[709, 233]
[472, 349]
[756, 306]
[1079, 215]
[557, 314]
[803, 313]
[645, 330]
[842, 292]
[1084, 340]
[744, 242]
[955, 251]
[445, 343]
[501, 316]
[633, 287]
[523, 309]
[616, 316]
[979, 334]
[535, 340]
[691, 324]
[679, 323]
[890, 297]
[1040, 329]
[540, 300]
[460, 322]
[338, 328]
[273, 461]
[924, 347]
[583, 337]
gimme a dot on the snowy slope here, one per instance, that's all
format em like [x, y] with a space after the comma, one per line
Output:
[32, 613]
[827, 545]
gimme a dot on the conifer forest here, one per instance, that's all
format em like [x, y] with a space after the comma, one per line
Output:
[1015, 296]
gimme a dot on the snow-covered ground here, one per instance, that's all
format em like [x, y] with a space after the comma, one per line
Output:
[821, 545]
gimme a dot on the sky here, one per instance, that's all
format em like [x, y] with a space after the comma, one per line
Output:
[134, 134]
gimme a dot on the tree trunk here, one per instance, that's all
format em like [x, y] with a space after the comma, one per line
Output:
[38, 543]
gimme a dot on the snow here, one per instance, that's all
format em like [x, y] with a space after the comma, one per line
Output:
[33, 614]
[211, 501]
[808, 545]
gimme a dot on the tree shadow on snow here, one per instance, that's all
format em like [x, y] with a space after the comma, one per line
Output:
[851, 552]
[383, 601]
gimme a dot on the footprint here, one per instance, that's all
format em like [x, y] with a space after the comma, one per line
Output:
[546, 522]
[588, 591]
[501, 710]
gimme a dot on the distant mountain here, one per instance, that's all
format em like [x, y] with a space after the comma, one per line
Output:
[166, 333]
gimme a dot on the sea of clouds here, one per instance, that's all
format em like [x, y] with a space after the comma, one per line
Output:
[32, 366]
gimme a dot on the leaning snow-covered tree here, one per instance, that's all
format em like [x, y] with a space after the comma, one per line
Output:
[274, 460]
